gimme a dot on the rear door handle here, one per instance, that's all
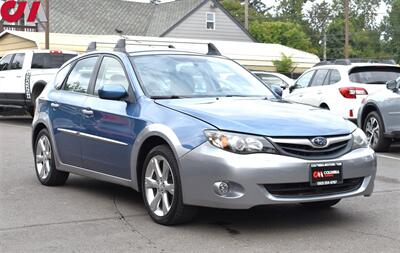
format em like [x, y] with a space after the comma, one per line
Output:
[87, 112]
[55, 105]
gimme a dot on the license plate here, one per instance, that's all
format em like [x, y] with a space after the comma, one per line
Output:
[326, 174]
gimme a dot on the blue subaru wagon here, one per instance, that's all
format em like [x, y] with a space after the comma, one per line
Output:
[189, 130]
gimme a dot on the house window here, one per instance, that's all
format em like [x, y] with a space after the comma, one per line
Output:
[210, 20]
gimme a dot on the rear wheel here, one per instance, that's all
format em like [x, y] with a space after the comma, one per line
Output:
[373, 128]
[161, 188]
[321, 204]
[44, 162]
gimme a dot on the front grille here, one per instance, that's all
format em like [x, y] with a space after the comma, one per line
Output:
[306, 190]
[303, 148]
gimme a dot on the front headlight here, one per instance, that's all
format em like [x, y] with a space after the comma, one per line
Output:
[359, 139]
[239, 143]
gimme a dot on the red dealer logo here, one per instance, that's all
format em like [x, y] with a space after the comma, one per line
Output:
[12, 11]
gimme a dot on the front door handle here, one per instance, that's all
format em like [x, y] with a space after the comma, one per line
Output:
[87, 112]
[55, 105]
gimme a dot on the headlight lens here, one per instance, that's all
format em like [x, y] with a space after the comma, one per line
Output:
[239, 143]
[359, 139]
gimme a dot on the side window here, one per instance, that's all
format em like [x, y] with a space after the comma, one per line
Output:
[335, 77]
[5, 62]
[79, 78]
[111, 73]
[272, 80]
[18, 61]
[61, 76]
[304, 80]
[319, 77]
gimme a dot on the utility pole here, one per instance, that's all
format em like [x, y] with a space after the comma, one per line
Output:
[324, 45]
[346, 29]
[246, 14]
[47, 30]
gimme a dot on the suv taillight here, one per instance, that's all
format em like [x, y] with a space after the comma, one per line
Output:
[352, 92]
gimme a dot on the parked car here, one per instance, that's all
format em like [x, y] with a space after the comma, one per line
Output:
[379, 117]
[341, 87]
[24, 74]
[272, 78]
[170, 125]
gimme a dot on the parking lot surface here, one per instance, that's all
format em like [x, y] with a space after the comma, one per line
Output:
[87, 215]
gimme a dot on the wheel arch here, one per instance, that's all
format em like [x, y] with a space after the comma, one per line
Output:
[368, 108]
[38, 85]
[36, 130]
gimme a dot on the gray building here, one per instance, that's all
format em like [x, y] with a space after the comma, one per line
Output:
[196, 19]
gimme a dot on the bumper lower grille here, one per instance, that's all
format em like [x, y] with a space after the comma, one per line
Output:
[306, 190]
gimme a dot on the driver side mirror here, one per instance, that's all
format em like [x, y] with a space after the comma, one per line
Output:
[292, 88]
[393, 85]
[112, 92]
[277, 90]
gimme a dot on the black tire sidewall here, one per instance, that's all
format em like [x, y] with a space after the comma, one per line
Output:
[382, 143]
[167, 153]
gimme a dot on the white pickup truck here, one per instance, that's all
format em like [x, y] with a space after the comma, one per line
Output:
[24, 74]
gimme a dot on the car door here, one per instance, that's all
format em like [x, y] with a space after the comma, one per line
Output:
[297, 91]
[391, 108]
[108, 128]
[16, 76]
[66, 103]
[313, 94]
[5, 64]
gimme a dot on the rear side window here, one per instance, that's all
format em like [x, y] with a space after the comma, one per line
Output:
[61, 76]
[79, 78]
[374, 74]
[18, 61]
[319, 77]
[304, 80]
[334, 77]
[5, 62]
[49, 60]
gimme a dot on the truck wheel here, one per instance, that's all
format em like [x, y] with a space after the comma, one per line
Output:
[373, 128]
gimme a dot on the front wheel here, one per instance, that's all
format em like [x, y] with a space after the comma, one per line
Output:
[161, 188]
[321, 204]
[373, 128]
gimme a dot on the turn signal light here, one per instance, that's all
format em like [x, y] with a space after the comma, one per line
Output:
[352, 92]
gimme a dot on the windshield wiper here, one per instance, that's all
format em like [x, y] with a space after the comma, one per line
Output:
[167, 97]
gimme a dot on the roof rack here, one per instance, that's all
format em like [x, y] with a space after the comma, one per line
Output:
[355, 60]
[122, 43]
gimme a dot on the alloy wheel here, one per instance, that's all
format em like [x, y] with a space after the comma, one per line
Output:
[159, 186]
[43, 157]
[372, 131]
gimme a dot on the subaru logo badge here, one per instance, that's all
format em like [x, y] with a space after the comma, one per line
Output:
[319, 142]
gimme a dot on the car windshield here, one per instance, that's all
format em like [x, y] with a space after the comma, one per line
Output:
[167, 76]
[374, 74]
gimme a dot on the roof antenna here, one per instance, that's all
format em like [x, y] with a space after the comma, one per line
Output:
[120, 46]
[213, 50]
[92, 47]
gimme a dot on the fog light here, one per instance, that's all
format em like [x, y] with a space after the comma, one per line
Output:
[221, 188]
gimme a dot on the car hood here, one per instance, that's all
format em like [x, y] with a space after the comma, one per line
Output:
[262, 117]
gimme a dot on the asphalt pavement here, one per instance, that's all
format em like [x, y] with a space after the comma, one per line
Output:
[87, 215]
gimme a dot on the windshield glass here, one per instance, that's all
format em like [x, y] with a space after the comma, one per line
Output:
[374, 74]
[196, 76]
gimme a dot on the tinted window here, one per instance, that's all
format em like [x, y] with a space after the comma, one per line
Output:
[79, 78]
[304, 80]
[374, 74]
[319, 77]
[5, 62]
[18, 61]
[61, 76]
[50, 61]
[334, 77]
[111, 73]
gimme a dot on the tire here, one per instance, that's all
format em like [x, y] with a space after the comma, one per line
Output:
[45, 166]
[373, 128]
[164, 202]
[321, 204]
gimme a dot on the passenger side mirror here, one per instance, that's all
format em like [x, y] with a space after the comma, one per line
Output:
[393, 85]
[277, 90]
[112, 92]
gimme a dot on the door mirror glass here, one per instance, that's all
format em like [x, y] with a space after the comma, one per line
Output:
[392, 85]
[277, 90]
[112, 92]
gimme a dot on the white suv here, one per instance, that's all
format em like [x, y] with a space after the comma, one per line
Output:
[24, 74]
[341, 87]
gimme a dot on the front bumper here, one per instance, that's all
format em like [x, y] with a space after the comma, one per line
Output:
[201, 168]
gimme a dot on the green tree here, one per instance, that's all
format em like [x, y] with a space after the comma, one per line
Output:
[391, 27]
[290, 10]
[284, 65]
[285, 33]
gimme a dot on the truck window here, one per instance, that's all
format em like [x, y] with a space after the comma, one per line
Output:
[5, 62]
[50, 60]
[18, 61]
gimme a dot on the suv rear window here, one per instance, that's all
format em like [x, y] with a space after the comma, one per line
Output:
[374, 74]
[50, 61]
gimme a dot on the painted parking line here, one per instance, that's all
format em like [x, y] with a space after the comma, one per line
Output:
[390, 157]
